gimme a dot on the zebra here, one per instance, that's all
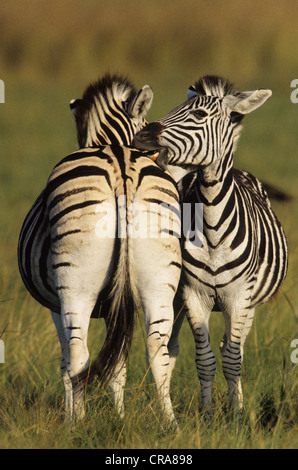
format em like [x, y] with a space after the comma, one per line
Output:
[78, 254]
[243, 258]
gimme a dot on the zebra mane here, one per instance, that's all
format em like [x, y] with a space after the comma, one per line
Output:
[212, 85]
[110, 92]
[115, 86]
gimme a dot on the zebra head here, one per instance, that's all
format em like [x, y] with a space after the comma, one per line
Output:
[202, 129]
[111, 111]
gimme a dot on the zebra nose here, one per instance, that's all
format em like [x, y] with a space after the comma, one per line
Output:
[147, 138]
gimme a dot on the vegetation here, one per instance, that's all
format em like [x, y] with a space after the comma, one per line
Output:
[49, 52]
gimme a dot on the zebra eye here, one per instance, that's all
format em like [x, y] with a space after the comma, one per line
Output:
[199, 113]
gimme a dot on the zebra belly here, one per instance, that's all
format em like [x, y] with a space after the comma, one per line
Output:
[270, 277]
[35, 259]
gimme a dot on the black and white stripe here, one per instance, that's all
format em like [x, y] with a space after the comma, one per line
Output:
[72, 265]
[243, 258]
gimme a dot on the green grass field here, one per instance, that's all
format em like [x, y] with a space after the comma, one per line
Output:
[43, 68]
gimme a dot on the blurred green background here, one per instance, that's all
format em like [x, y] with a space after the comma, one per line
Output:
[49, 52]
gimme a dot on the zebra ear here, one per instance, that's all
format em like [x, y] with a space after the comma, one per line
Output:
[74, 105]
[191, 92]
[247, 101]
[141, 103]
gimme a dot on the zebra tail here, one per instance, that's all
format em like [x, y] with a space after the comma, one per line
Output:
[121, 303]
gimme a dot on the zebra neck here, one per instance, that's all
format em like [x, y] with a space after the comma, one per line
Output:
[215, 180]
[99, 130]
[215, 189]
[100, 138]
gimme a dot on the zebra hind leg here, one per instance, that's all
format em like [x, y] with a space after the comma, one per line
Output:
[157, 271]
[237, 328]
[159, 316]
[173, 344]
[72, 328]
[68, 406]
[198, 316]
[77, 355]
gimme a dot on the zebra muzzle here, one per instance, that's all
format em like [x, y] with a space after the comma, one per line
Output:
[162, 159]
[147, 138]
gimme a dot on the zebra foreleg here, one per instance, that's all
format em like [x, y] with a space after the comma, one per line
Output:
[237, 328]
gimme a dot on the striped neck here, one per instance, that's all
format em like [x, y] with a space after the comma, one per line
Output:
[214, 178]
[108, 124]
[215, 189]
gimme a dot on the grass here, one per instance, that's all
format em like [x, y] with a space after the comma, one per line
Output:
[43, 68]
[31, 413]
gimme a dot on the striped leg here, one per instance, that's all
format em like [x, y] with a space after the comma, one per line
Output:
[64, 373]
[157, 272]
[72, 327]
[79, 276]
[198, 317]
[74, 361]
[157, 296]
[237, 328]
[173, 345]
[75, 319]
[159, 329]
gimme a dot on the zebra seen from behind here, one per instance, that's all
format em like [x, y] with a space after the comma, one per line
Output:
[77, 249]
[243, 258]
